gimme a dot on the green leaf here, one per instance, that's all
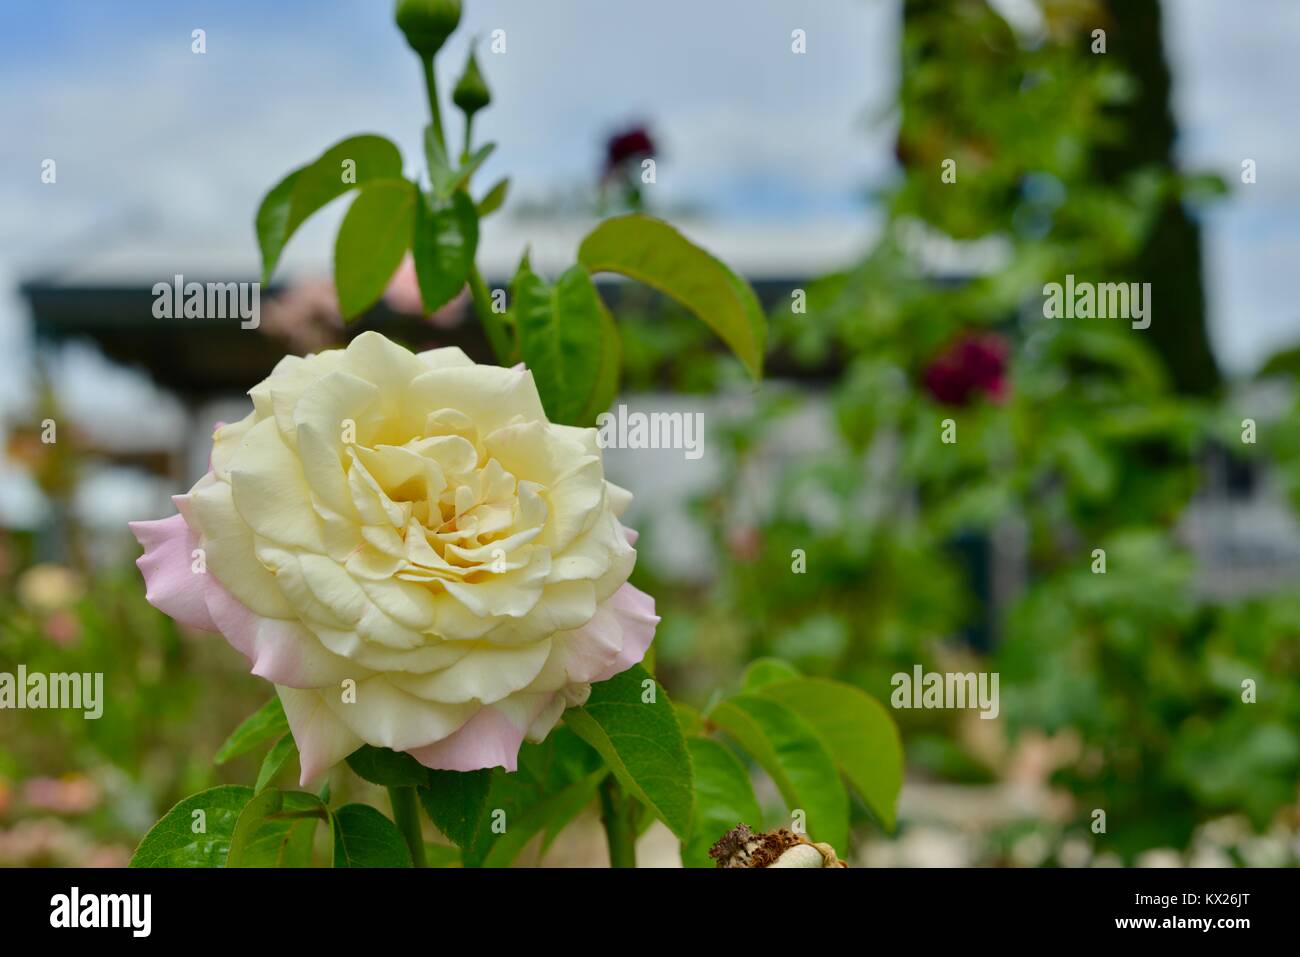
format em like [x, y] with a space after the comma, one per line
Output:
[363, 837]
[310, 187]
[641, 742]
[563, 807]
[766, 671]
[492, 201]
[276, 829]
[724, 797]
[391, 769]
[455, 802]
[266, 723]
[460, 179]
[444, 178]
[545, 769]
[441, 171]
[689, 718]
[174, 840]
[568, 341]
[859, 733]
[605, 387]
[442, 855]
[445, 241]
[653, 252]
[373, 238]
[796, 759]
[274, 760]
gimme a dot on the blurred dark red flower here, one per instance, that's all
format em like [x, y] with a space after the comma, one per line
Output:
[975, 364]
[631, 143]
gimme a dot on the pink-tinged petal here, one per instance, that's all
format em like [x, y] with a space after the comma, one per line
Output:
[615, 638]
[487, 740]
[549, 716]
[281, 651]
[171, 585]
[592, 650]
[323, 740]
[636, 614]
[632, 535]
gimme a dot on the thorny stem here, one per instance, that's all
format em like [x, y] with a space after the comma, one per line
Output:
[614, 813]
[406, 814]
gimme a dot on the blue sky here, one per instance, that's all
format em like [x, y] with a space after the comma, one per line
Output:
[156, 143]
[746, 128]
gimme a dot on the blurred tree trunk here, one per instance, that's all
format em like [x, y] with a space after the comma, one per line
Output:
[1171, 259]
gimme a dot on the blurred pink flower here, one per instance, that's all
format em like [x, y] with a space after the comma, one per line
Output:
[49, 842]
[107, 855]
[71, 794]
[403, 295]
[62, 627]
[34, 842]
[306, 315]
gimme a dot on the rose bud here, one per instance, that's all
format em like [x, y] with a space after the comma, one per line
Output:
[471, 93]
[427, 23]
[741, 847]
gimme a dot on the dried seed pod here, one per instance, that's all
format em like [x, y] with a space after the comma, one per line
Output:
[741, 847]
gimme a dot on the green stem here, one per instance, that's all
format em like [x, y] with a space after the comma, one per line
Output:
[499, 337]
[618, 824]
[469, 138]
[435, 111]
[406, 814]
[497, 333]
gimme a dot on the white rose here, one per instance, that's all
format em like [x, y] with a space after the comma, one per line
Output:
[412, 524]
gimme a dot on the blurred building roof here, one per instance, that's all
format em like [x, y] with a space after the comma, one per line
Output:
[104, 292]
[760, 251]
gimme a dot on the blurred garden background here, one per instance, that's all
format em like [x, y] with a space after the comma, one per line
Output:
[897, 300]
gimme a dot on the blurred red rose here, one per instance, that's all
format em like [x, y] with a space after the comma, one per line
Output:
[629, 144]
[976, 364]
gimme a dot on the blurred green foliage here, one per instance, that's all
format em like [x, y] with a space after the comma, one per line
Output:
[1090, 448]
[168, 701]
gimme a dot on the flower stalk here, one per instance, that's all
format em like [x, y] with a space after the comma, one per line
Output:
[406, 814]
[498, 335]
[435, 111]
[619, 832]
